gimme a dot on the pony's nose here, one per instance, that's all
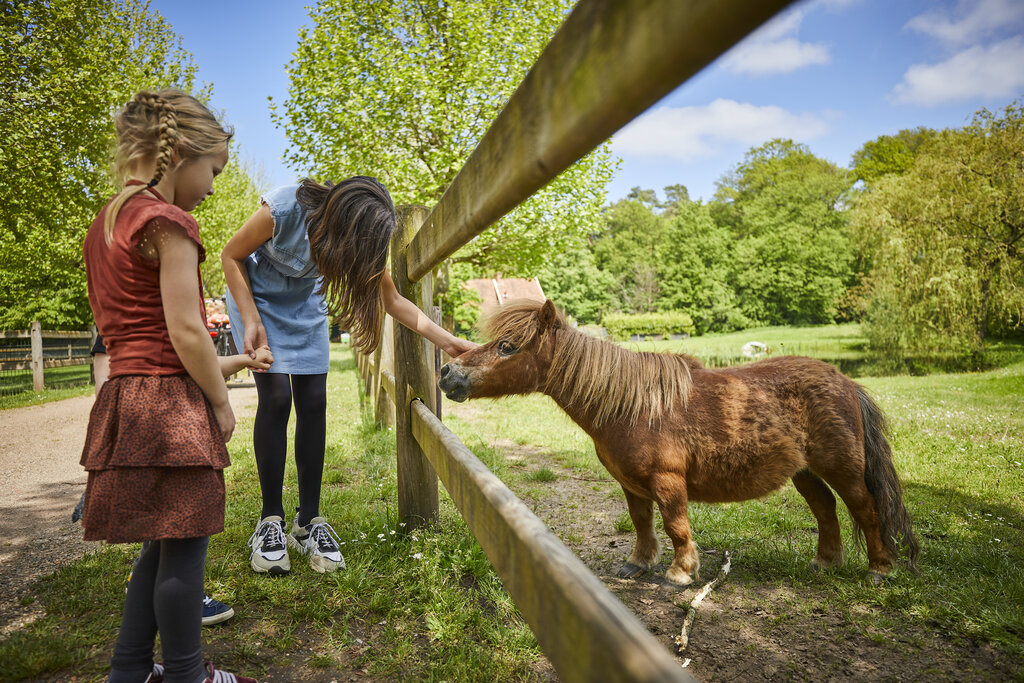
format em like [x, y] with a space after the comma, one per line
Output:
[445, 369]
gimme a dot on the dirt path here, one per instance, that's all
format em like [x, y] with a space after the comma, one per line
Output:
[40, 483]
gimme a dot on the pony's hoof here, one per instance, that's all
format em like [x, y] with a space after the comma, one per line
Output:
[876, 579]
[630, 571]
[678, 577]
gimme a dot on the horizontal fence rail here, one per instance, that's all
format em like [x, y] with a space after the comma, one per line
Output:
[607, 64]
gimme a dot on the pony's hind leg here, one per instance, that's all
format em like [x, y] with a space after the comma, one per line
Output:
[861, 505]
[823, 505]
[645, 552]
[670, 492]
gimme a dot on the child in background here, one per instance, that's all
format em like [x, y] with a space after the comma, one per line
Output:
[155, 449]
[310, 250]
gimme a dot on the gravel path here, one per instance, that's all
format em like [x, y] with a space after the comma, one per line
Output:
[40, 483]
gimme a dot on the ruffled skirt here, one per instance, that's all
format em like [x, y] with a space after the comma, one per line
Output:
[155, 458]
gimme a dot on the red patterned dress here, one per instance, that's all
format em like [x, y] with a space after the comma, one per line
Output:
[154, 451]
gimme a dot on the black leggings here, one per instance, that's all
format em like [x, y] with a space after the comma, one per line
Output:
[165, 595]
[270, 438]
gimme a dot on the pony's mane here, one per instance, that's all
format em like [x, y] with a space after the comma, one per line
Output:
[612, 383]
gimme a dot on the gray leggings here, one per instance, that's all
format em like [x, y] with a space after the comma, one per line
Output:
[165, 595]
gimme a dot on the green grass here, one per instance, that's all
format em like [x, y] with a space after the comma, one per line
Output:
[414, 606]
[32, 398]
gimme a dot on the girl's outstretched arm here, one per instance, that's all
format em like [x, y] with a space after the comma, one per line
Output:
[263, 359]
[179, 289]
[407, 313]
[257, 230]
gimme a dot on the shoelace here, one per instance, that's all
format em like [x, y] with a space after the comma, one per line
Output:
[274, 536]
[207, 600]
[325, 537]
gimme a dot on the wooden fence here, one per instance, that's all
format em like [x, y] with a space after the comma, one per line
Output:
[608, 63]
[39, 355]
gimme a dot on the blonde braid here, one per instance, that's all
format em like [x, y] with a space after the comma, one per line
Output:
[136, 120]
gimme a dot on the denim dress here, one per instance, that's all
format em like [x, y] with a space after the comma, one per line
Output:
[284, 283]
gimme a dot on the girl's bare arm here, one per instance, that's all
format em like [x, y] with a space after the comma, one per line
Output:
[257, 230]
[407, 313]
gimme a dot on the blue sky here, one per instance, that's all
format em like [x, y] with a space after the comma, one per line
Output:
[831, 74]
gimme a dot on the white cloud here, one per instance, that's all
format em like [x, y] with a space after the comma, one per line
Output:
[687, 133]
[988, 72]
[974, 20]
[774, 49]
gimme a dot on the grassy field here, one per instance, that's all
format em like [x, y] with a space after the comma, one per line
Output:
[427, 606]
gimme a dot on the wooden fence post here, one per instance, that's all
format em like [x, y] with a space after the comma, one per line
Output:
[383, 412]
[414, 378]
[37, 356]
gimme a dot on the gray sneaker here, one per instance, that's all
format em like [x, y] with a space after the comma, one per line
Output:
[269, 548]
[318, 540]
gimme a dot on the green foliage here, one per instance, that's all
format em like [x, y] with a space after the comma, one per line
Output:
[889, 154]
[629, 248]
[944, 239]
[64, 69]
[236, 196]
[622, 326]
[405, 90]
[572, 279]
[793, 257]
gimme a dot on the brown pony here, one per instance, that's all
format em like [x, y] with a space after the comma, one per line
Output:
[672, 431]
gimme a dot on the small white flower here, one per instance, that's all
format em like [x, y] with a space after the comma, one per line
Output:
[417, 556]
[380, 536]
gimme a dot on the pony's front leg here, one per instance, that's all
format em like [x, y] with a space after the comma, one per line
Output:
[645, 552]
[670, 492]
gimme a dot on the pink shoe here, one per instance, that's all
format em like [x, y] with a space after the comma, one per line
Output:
[217, 676]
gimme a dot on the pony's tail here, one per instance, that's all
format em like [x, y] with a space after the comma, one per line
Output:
[883, 483]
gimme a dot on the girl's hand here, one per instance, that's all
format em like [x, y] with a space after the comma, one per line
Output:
[255, 337]
[458, 346]
[262, 359]
[225, 419]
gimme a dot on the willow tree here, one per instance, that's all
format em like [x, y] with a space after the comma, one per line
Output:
[946, 239]
[65, 67]
[404, 90]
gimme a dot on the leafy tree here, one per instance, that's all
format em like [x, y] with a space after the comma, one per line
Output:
[784, 208]
[889, 154]
[572, 279]
[695, 271]
[629, 249]
[64, 69]
[404, 90]
[946, 240]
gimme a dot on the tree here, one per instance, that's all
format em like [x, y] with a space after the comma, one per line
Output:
[946, 240]
[629, 248]
[64, 69]
[404, 90]
[695, 270]
[572, 280]
[784, 208]
[889, 154]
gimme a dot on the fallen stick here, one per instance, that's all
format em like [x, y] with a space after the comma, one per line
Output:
[683, 639]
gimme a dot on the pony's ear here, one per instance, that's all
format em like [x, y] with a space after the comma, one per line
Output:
[548, 316]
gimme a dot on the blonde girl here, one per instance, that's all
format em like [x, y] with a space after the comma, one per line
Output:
[155, 448]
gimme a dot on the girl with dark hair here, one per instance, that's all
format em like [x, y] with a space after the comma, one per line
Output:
[312, 251]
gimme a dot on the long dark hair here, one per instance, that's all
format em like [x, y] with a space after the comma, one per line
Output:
[350, 226]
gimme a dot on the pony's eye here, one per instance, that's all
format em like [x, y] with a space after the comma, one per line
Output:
[506, 348]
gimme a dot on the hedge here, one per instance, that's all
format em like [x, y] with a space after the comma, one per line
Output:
[622, 326]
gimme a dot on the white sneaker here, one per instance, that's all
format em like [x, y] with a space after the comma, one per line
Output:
[318, 540]
[269, 549]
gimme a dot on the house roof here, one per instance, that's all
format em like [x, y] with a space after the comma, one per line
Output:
[496, 291]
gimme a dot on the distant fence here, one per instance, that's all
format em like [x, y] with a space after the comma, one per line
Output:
[608, 63]
[35, 359]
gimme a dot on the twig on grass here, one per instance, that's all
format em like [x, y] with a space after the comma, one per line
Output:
[683, 639]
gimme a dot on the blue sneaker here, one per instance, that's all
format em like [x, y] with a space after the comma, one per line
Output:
[215, 611]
